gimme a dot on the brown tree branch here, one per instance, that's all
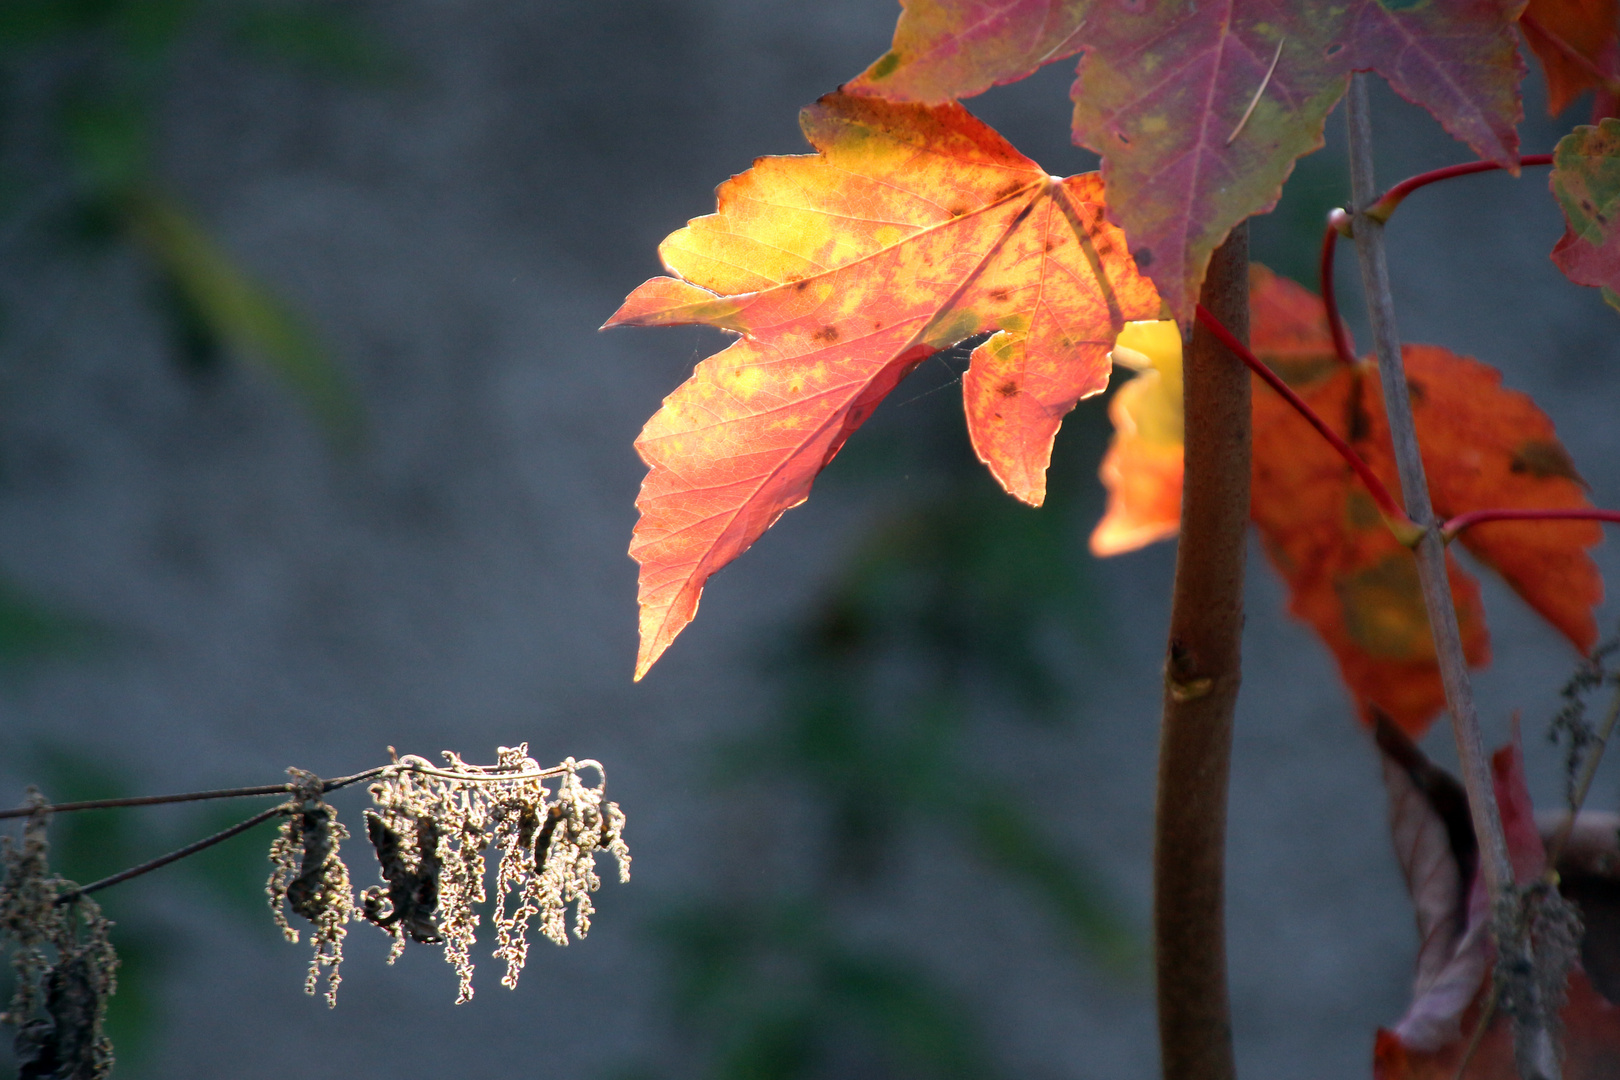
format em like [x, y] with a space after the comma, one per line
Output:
[1534, 1048]
[1202, 673]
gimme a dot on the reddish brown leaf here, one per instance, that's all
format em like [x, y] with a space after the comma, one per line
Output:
[1434, 843]
[1433, 1048]
[1348, 576]
[1199, 110]
[1586, 182]
[1575, 42]
[1487, 446]
[911, 229]
[960, 48]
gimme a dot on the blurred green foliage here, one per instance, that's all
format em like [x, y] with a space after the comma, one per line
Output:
[81, 94]
[958, 606]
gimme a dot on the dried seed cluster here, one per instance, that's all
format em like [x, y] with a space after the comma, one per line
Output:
[430, 829]
[311, 879]
[61, 959]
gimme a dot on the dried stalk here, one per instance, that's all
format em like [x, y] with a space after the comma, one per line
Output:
[1534, 1048]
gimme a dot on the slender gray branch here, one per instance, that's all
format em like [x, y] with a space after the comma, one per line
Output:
[1534, 1048]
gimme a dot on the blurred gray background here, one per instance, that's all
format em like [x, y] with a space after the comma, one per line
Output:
[889, 795]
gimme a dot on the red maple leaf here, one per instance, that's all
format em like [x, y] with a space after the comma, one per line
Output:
[911, 229]
[1200, 110]
[1575, 40]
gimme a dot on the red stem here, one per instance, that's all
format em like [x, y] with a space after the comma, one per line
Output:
[1343, 345]
[1386, 203]
[1455, 525]
[1381, 209]
[1386, 502]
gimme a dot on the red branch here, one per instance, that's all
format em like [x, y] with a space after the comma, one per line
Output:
[1451, 528]
[1386, 502]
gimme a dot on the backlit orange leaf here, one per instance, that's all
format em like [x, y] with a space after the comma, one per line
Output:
[1143, 466]
[912, 228]
[1575, 40]
[1347, 575]
[1483, 446]
[1349, 578]
[1200, 110]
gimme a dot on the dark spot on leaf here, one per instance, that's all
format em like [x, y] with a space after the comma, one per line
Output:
[1358, 423]
[829, 334]
[1120, 135]
[957, 211]
[1543, 458]
[1143, 257]
[1050, 244]
[886, 65]
[998, 294]
[1006, 190]
[1333, 50]
[1007, 389]
[877, 324]
[801, 286]
[1417, 391]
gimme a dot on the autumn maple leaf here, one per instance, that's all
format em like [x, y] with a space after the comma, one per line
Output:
[1575, 40]
[911, 229]
[1586, 182]
[1142, 468]
[1348, 576]
[1438, 853]
[1200, 110]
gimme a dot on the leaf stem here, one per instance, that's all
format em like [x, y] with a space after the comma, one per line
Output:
[1534, 1051]
[1399, 522]
[174, 856]
[1203, 669]
[1453, 526]
[1384, 206]
[1343, 345]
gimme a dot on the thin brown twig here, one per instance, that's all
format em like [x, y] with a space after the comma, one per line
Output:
[151, 800]
[226, 793]
[1535, 1053]
[1583, 785]
[165, 860]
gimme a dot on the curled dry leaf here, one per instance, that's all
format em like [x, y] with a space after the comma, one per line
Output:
[1434, 842]
[911, 229]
